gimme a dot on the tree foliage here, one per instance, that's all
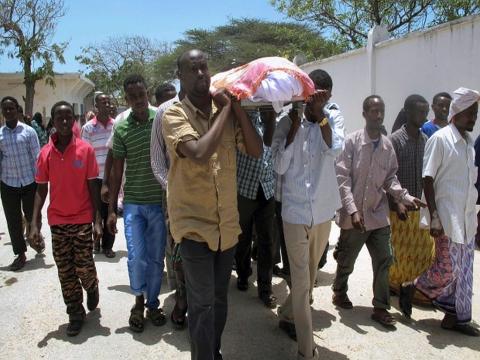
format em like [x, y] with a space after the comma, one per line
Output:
[26, 30]
[350, 20]
[243, 40]
[109, 62]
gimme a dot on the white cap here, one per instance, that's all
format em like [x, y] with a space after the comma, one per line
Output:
[463, 98]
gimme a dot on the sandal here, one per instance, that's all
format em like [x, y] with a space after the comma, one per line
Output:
[135, 322]
[156, 316]
[384, 318]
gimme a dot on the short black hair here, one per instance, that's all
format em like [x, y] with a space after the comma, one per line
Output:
[162, 88]
[366, 102]
[439, 95]
[321, 79]
[61, 103]
[134, 79]
[98, 95]
[10, 98]
[37, 117]
[412, 100]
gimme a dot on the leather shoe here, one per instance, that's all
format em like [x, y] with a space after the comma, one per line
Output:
[269, 300]
[109, 253]
[242, 284]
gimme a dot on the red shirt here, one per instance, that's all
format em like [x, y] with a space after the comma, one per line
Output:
[68, 174]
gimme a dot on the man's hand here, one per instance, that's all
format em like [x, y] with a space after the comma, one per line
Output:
[112, 222]
[436, 227]
[413, 202]
[357, 221]
[296, 120]
[104, 194]
[221, 98]
[34, 236]
[317, 101]
[402, 211]
[97, 232]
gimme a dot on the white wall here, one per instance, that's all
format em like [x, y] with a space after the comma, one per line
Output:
[427, 62]
[69, 87]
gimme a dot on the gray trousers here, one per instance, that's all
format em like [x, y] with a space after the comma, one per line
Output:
[380, 248]
[207, 276]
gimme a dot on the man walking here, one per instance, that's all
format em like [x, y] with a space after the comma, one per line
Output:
[449, 176]
[19, 149]
[304, 152]
[366, 173]
[202, 133]
[96, 132]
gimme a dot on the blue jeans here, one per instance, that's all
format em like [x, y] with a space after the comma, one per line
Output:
[146, 238]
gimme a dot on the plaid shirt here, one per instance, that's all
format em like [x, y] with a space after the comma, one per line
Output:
[409, 153]
[252, 172]
[19, 149]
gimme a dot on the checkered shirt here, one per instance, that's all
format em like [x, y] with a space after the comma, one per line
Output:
[252, 172]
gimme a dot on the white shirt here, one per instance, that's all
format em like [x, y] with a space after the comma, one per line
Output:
[449, 160]
[310, 194]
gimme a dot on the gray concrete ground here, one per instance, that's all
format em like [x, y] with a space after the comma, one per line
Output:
[34, 321]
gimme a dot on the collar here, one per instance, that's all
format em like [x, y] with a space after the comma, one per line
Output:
[54, 139]
[20, 126]
[186, 101]
[366, 139]
[456, 136]
[95, 121]
[151, 116]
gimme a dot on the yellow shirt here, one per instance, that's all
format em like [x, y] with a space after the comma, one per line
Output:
[202, 198]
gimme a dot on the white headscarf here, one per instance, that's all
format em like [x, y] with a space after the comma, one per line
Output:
[463, 98]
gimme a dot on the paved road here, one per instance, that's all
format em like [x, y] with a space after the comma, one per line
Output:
[34, 320]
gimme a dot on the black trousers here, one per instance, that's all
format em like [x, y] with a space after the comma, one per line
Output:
[107, 239]
[261, 213]
[279, 246]
[207, 275]
[14, 200]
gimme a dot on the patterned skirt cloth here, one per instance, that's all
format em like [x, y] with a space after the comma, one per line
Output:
[414, 252]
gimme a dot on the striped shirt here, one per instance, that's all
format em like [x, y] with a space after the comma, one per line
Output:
[131, 141]
[96, 134]
[19, 149]
[158, 151]
[253, 172]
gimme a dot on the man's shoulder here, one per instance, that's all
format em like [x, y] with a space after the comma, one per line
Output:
[174, 111]
[355, 136]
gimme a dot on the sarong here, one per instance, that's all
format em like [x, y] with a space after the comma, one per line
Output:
[448, 282]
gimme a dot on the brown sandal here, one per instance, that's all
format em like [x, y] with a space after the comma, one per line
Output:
[384, 318]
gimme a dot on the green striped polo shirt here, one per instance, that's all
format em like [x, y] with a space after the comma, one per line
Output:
[131, 141]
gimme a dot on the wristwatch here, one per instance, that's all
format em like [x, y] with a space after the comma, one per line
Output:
[323, 122]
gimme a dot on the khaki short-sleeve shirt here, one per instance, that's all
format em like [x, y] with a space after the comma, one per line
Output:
[202, 198]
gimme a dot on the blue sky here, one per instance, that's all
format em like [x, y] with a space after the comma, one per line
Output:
[88, 22]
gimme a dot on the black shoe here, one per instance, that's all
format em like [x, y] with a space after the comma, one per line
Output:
[109, 253]
[277, 271]
[268, 300]
[242, 284]
[405, 299]
[288, 328]
[18, 263]
[74, 327]
[92, 299]
[342, 301]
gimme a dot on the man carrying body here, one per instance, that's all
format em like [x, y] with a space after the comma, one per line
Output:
[304, 150]
[96, 132]
[366, 173]
[440, 106]
[19, 149]
[449, 176]
[143, 213]
[202, 137]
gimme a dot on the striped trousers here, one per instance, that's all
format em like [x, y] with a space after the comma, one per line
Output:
[73, 253]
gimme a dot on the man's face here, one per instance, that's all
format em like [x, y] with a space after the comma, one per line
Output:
[63, 120]
[165, 96]
[441, 107]
[466, 119]
[137, 97]
[194, 75]
[10, 110]
[418, 115]
[103, 104]
[374, 114]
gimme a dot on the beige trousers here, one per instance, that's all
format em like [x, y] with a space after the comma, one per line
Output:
[305, 246]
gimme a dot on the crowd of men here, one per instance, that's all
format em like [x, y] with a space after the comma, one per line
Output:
[199, 178]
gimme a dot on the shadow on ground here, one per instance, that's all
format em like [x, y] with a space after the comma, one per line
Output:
[100, 257]
[91, 328]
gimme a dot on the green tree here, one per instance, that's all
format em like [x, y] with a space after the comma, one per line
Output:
[26, 30]
[350, 20]
[109, 62]
[243, 40]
